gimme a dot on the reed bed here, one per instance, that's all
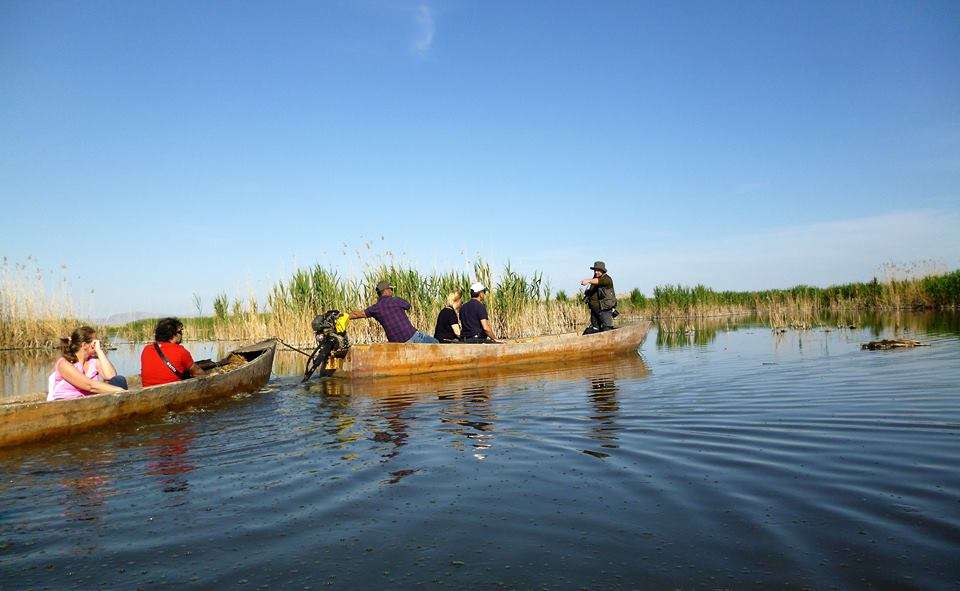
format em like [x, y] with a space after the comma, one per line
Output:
[805, 306]
[35, 310]
[519, 305]
[524, 305]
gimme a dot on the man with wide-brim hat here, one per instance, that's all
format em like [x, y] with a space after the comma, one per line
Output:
[601, 298]
[391, 312]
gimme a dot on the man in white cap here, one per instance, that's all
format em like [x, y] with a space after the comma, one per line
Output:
[474, 322]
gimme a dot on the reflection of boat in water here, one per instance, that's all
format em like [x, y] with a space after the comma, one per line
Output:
[396, 359]
[467, 382]
[31, 417]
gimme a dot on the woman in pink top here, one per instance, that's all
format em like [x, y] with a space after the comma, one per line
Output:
[83, 369]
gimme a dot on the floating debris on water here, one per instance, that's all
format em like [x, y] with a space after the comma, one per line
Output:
[892, 344]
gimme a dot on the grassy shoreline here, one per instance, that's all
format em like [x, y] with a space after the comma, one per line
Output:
[520, 305]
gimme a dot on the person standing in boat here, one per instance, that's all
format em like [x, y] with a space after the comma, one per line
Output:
[448, 323]
[165, 360]
[601, 299]
[474, 321]
[391, 312]
[83, 368]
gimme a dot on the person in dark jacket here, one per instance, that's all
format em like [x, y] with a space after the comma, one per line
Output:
[448, 322]
[601, 298]
[474, 321]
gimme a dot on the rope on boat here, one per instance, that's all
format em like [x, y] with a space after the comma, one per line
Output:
[292, 348]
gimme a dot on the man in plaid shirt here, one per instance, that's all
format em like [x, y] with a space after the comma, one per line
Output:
[391, 312]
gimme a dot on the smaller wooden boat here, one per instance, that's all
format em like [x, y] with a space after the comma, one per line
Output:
[395, 359]
[31, 417]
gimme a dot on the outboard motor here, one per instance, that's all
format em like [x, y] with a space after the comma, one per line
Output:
[330, 330]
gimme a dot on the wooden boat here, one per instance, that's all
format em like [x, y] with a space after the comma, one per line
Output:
[394, 359]
[31, 417]
[592, 373]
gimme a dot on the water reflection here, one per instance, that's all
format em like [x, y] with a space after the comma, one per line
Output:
[606, 408]
[697, 332]
[467, 402]
[169, 462]
[675, 333]
[471, 418]
[392, 409]
[85, 488]
[722, 466]
[25, 371]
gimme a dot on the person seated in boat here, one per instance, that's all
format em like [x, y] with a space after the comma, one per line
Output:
[391, 312]
[474, 321]
[601, 299]
[448, 323]
[83, 368]
[165, 360]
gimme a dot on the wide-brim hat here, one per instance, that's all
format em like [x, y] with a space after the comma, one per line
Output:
[383, 286]
[599, 266]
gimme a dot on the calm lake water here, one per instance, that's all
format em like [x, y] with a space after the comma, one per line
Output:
[726, 458]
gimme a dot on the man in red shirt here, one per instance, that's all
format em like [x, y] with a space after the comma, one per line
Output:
[166, 360]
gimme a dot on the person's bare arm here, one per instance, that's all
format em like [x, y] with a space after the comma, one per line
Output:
[196, 371]
[456, 329]
[591, 281]
[82, 382]
[357, 314]
[488, 328]
[106, 368]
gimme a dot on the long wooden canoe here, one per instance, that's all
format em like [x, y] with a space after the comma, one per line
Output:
[593, 373]
[31, 418]
[395, 359]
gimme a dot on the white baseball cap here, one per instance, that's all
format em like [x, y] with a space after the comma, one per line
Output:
[477, 287]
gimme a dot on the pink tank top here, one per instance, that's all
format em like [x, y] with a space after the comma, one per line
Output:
[60, 389]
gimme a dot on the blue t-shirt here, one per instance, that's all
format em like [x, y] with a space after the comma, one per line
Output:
[471, 313]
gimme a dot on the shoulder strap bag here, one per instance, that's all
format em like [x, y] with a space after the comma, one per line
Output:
[170, 366]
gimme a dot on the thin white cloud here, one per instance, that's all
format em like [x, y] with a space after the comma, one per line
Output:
[426, 29]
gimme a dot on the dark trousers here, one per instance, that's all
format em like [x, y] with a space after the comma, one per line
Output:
[483, 339]
[600, 320]
[118, 381]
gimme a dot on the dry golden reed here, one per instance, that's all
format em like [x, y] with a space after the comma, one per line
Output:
[33, 313]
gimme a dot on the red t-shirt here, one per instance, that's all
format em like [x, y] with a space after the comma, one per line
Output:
[154, 371]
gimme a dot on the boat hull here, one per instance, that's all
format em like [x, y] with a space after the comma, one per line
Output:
[33, 421]
[396, 359]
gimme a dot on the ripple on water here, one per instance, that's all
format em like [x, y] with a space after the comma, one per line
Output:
[742, 461]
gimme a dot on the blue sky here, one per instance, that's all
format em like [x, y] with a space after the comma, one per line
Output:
[159, 149]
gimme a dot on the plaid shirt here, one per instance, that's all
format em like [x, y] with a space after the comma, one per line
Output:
[390, 312]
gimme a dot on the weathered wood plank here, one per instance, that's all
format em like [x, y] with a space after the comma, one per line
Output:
[394, 359]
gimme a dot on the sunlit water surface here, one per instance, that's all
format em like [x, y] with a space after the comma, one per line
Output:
[726, 458]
